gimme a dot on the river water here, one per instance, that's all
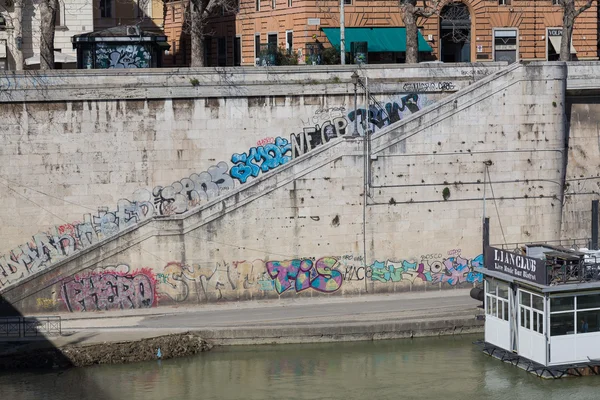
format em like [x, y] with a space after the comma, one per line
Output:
[426, 368]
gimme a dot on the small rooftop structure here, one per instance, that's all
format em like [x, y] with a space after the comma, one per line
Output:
[120, 47]
[542, 303]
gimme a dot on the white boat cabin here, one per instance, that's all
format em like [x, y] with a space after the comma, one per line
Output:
[543, 303]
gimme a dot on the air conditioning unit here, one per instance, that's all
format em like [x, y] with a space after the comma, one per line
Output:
[133, 31]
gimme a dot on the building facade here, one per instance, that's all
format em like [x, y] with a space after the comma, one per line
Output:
[146, 14]
[461, 31]
[74, 17]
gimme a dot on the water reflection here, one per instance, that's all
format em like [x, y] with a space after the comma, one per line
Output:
[437, 368]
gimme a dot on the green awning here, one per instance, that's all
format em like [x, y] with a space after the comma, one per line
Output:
[378, 39]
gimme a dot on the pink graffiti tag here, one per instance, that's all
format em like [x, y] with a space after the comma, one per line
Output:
[110, 290]
[321, 276]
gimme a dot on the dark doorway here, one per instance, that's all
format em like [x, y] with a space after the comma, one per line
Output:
[455, 33]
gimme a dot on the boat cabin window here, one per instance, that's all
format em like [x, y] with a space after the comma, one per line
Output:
[531, 309]
[496, 299]
[575, 314]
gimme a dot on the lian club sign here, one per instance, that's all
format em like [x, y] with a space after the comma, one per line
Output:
[513, 264]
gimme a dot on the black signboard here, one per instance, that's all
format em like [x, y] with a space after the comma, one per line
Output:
[513, 264]
[555, 32]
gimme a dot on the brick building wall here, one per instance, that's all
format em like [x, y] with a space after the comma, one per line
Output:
[529, 21]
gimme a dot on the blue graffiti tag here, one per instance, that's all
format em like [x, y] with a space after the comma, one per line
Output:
[271, 155]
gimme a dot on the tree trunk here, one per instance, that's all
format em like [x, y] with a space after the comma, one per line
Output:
[412, 42]
[18, 35]
[197, 36]
[48, 9]
[567, 32]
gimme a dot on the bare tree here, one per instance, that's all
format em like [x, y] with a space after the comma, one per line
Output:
[48, 10]
[570, 13]
[199, 13]
[410, 12]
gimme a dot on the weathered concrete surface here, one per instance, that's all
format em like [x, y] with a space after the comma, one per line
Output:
[301, 232]
[297, 321]
[174, 83]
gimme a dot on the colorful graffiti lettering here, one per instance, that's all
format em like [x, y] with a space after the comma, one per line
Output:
[110, 290]
[47, 248]
[433, 268]
[321, 275]
[269, 156]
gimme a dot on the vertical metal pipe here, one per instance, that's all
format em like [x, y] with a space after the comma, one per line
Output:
[355, 108]
[486, 233]
[342, 34]
[594, 245]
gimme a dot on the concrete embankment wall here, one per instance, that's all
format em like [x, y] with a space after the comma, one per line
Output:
[582, 179]
[303, 230]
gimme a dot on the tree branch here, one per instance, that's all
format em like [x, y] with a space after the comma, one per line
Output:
[583, 8]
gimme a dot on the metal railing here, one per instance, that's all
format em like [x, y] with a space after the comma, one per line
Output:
[574, 244]
[30, 326]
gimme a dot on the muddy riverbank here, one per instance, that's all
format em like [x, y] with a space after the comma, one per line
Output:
[44, 356]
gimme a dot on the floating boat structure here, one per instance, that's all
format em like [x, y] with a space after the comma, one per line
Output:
[542, 308]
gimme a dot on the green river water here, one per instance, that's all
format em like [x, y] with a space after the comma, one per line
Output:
[427, 368]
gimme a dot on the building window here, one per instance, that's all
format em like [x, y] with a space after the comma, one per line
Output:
[222, 52]
[237, 51]
[273, 4]
[256, 48]
[106, 8]
[348, 2]
[496, 300]
[290, 3]
[505, 45]
[289, 41]
[58, 17]
[257, 5]
[272, 44]
[556, 2]
[504, 2]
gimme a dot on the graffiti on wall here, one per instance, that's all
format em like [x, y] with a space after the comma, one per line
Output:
[333, 122]
[47, 248]
[108, 290]
[321, 275]
[314, 136]
[178, 280]
[260, 159]
[453, 269]
[119, 287]
[110, 55]
[187, 193]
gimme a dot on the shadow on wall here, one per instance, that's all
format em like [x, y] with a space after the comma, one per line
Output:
[25, 346]
[24, 342]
